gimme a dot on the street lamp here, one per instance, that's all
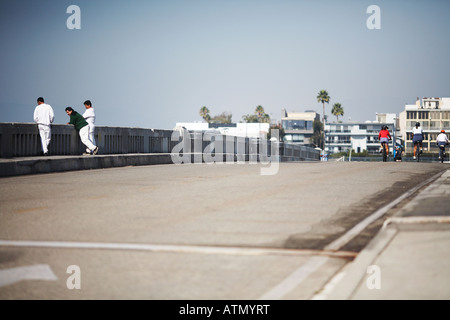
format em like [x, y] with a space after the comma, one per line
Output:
[395, 140]
[324, 136]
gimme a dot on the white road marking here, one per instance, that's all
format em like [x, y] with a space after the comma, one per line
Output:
[35, 272]
[416, 220]
[323, 294]
[175, 248]
[294, 279]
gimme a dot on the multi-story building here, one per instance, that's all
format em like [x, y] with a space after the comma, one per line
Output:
[358, 136]
[433, 114]
[298, 126]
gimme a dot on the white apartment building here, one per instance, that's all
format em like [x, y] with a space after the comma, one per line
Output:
[245, 130]
[358, 136]
[433, 114]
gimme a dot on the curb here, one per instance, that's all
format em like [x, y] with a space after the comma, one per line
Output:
[16, 167]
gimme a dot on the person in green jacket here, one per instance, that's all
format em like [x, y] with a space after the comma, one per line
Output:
[82, 127]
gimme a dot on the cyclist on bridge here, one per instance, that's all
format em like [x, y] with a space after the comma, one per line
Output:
[442, 140]
[384, 136]
[417, 138]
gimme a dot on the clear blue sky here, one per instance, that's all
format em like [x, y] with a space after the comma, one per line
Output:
[151, 64]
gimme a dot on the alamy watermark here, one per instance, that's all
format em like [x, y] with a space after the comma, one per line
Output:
[374, 21]
[374, 280]
[74, 20]
[237, 149]
[74, 280]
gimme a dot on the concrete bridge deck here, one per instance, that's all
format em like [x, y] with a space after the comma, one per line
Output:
[224, 231]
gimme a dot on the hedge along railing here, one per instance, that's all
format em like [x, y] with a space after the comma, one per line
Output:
[22, 139]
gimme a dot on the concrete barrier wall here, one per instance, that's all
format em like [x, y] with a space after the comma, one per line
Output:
[22, 139]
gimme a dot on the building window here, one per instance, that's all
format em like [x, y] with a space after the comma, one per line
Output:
[423, 115]
[434, 125]
[411, 115]
[434, 115]
[299, 138]
[410, 124]
[297, 125]
[446, 115]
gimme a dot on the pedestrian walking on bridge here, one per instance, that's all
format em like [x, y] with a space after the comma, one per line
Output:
[44, 116]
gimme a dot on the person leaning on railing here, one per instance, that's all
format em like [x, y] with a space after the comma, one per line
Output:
[82, 127]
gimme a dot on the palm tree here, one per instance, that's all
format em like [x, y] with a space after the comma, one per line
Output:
[259, 112]
[323, 97]
[204, 113]
[337, 110]
[259, 116]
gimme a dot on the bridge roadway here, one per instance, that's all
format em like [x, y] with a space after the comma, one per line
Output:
[192, 231]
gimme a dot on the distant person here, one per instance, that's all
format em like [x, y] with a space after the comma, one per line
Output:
[83, 129]
[89, 116]
[398, 152]
[417, 138]
[442, 140]
[384, 136]
[44, 116]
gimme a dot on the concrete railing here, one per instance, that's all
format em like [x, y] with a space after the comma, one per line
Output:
[22, 139]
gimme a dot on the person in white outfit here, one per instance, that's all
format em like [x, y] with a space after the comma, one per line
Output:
[89, 116]
[44, 116]
[442, 140]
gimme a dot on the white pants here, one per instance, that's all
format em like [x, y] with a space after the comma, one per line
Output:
[91, 135]
[45, 133]
[84, 136]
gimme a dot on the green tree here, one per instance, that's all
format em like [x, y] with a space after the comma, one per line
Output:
[224, 117]
[337, 110]
[204, 113]
[323, 97]
[250, 118]
[317, 137]
[260, 116]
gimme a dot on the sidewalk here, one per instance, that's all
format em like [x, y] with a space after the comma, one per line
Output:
[409, 259]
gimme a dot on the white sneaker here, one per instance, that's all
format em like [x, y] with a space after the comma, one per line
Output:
[414, 158]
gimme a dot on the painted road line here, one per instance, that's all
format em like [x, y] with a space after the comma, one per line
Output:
[178, 248]
[294, 279]
[35, 272]
[416, 220]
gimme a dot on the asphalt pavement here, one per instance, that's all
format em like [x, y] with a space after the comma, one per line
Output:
[409, 257]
